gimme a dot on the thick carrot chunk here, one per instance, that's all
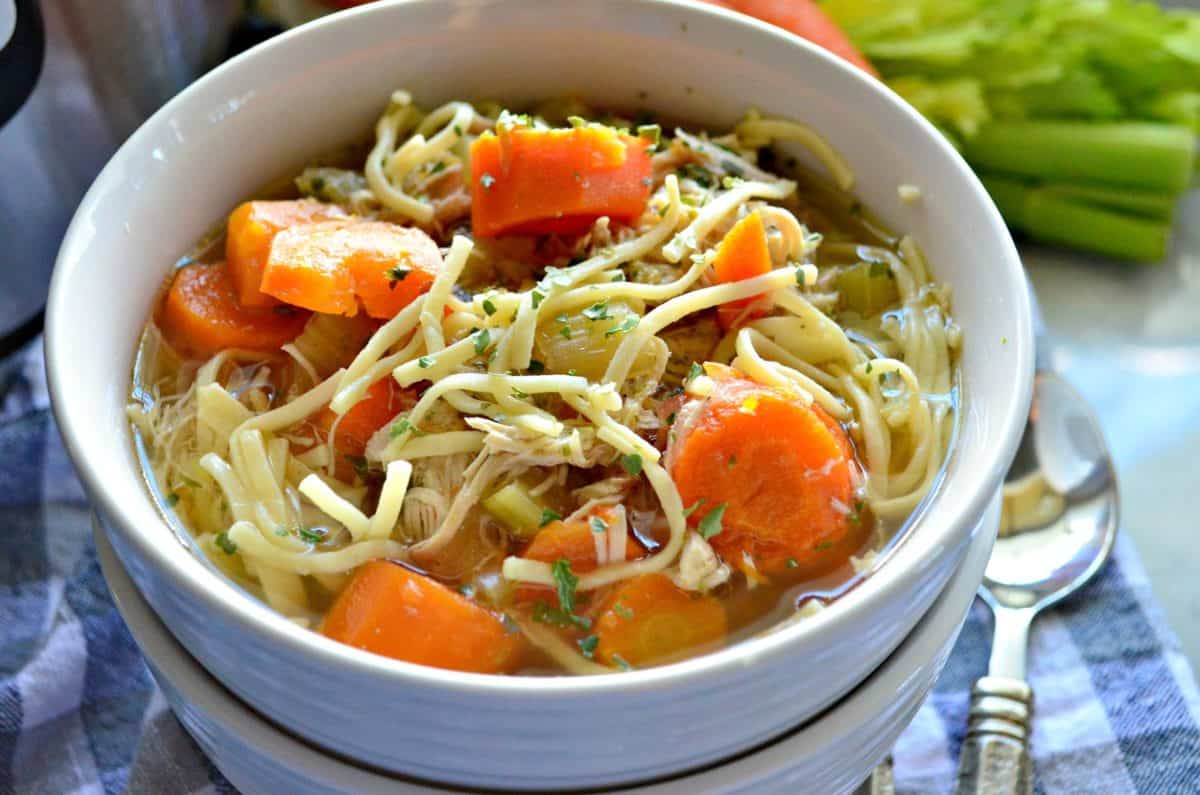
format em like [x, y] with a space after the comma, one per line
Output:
[330, 267]
[780, 469]
[650, 620]
[381, 403]
[556, 181]
[574, 542]
[201, 315]
[252, 227]
[390, 610]
[742, 254]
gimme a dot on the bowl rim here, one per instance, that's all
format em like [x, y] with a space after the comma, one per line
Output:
[235, 606]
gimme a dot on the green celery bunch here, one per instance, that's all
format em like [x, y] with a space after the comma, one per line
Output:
[1069, 101]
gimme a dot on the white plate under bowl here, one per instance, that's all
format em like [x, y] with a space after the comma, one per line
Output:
[275, 107]
[828, 755]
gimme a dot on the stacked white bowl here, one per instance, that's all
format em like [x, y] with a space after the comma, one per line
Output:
[310, 90]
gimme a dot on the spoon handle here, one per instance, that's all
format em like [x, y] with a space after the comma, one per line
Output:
[995, 755]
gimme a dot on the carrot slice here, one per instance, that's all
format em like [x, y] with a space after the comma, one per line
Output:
[390, 610]
[782, 471]
[201, 315]
[381, 403]
[576, 543]
[556, 181]
[252, 227]
[806, 19]
[742, 254]
[649, 620]
[329, 267]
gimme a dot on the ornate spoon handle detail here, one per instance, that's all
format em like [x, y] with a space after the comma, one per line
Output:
[995, 755]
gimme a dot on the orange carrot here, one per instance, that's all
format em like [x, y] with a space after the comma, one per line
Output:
[556, 181]
[252, 227]
[393, 611]
[806, 19]
[649, 620]
[331, 266]
[381, 403]
[779, 470]
[201, 315]
[575, 542]
[742, 254]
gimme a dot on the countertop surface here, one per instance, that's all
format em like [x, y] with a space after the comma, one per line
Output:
[1128, 336]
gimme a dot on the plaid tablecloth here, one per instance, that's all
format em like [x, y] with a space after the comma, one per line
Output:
[1117, 705]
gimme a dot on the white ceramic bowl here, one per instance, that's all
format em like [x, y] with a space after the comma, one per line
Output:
[261, 115]
[828, 755]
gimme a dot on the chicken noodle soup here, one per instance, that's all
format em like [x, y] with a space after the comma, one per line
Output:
[549, 393]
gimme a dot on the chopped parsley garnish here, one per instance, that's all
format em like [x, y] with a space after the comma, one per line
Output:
[172, 500]
[489, 307]
[576, 121]
[689, 511]
[189, 482]
[538, 297]
[437, 167]
[878, 269]
[619, 661]
[313, 535]
[799, 277]
[483, 338]
[821, 546]
[710, 525]
[225, 543]
[632, 464]
[791, 563]
[671, 419]
[868, 368]
[548, 516]
[397, 274]
[487, 181]
[629, 325]
[598, 525]
[623, 611]
[732, 461]
[425, 362]
[695, 371]
[557, 617]
[597, 311]
[457, 130]
[519, 393]
[565, 332]
[566, 582]
[728, 182]
[536, 367]
[588, 646]
[403, 426]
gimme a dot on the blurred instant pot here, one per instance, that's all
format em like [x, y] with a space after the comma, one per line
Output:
[76, 78]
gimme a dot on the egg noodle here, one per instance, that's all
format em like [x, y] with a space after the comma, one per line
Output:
[247, 468]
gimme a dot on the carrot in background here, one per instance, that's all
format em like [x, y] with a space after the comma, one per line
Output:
[390, 610]
[806, 19]
[201, 315]
[252, 227]
[742, 254]
[782, 472]
[556, 181]
[648, 619]
[329, 267]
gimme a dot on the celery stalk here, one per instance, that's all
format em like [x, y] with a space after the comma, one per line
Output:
[515, 509]
[1050, 217]
[1156, 157]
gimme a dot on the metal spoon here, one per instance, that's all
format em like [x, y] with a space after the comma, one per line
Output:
[1061, 509]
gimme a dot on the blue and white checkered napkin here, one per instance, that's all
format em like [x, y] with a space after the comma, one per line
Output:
[1117, 712]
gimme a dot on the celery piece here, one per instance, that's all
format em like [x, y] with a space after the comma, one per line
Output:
[515, 509]
[1144, 204]
[868, 288]
[1157, 157]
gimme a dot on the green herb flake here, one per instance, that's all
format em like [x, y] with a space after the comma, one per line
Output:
[519, 393]
[689, 511]
[565, 332]
[486, 181]
[556, 617]
[172, 500]
[620, 662]
[822, 546]
[710, 525]
[791, 563]
[313, 535]
[695, 371]
[650, 132]
[458, 130]
[538, 296]
[623, 611]
[403, 426]
[732, 461]
[548, 516]
[588, 646]
[577, 121]
[671, 419]
[565, 581]
[359, 462]
[597, 311]
[425, 362]
[396, 275]
[438, 167]
[632, 464]
[483, 338]
[225, 543]
[598, 525]
[629, 325]
[488, 307]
